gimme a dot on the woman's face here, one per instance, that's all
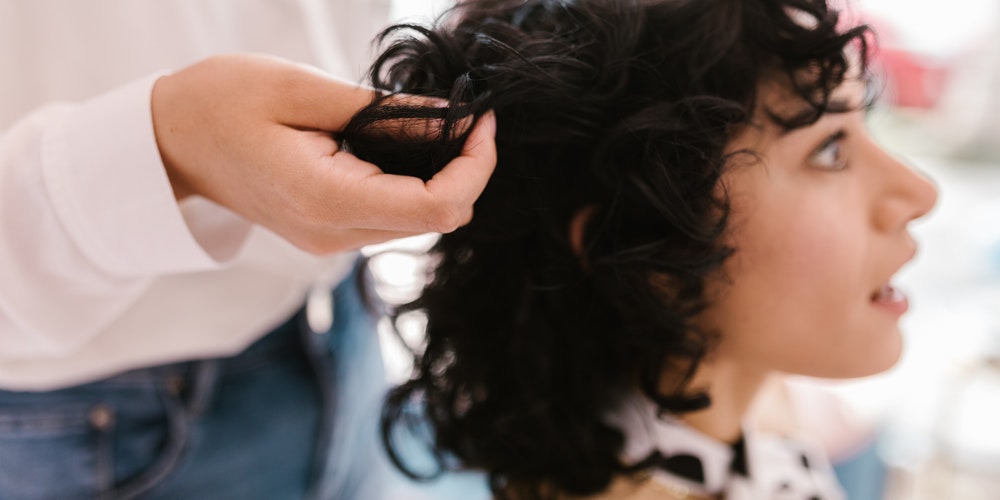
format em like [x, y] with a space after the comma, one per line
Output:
[819, 227]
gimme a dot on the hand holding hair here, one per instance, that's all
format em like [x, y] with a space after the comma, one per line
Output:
[255, 134]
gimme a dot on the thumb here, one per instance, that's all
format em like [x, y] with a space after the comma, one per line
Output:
[311, 99]
[316, 100]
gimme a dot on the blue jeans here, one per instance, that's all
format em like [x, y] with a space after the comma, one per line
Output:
[293, 416]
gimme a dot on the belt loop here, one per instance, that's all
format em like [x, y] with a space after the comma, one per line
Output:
[203, 380]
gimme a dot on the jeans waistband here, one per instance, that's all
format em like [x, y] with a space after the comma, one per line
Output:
[194, 381]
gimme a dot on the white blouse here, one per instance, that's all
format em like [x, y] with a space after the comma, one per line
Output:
[100, 269]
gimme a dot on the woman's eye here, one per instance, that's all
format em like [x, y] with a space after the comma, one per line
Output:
[829, 155]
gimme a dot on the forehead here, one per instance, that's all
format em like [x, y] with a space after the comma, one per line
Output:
[778, 104]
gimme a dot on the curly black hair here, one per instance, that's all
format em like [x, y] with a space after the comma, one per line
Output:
[613, 112]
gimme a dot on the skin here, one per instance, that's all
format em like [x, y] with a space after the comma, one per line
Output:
[819, 225]
[253, 134]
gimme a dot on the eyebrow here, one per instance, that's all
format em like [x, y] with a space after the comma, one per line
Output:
[808, 115]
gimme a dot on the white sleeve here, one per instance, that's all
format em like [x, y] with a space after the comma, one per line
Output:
[88, 220]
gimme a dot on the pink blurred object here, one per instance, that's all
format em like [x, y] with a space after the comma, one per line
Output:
[912, 80]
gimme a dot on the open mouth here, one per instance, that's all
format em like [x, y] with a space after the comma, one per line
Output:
[891, 299]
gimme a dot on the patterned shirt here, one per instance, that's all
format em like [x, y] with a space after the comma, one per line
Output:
[758, 466]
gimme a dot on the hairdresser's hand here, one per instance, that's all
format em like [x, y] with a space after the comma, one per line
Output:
[253, 134]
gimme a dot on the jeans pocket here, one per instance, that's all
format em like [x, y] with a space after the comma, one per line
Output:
[151, 439]
[55, 451]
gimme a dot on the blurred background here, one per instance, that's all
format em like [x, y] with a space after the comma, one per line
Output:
[932, 420]
[930, 427]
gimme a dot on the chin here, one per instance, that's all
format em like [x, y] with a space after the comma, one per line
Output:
[870, 358]
[875, 358]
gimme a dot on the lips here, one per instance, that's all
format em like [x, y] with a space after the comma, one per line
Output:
[890, 299]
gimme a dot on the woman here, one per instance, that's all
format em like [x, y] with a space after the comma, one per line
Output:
[686, 202]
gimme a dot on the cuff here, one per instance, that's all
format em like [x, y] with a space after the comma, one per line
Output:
[103, 170]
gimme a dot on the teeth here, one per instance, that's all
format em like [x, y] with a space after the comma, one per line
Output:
[888, 294]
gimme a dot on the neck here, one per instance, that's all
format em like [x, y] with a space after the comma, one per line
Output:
[732, 389]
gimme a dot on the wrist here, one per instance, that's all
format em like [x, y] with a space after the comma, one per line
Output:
[163, 133]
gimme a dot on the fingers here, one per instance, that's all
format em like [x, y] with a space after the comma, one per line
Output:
[465, 177]
[403, 203]
[313, 99]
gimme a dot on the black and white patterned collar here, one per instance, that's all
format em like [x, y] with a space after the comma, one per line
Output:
[757, 467]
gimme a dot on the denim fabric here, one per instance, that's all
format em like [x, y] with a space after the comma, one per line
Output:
[863, 474]
[291, 417]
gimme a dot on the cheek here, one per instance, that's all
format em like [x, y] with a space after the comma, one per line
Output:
[796, 297]
[788, 273]
[804, 261]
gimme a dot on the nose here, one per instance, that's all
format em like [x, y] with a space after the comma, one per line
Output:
[907, 195]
